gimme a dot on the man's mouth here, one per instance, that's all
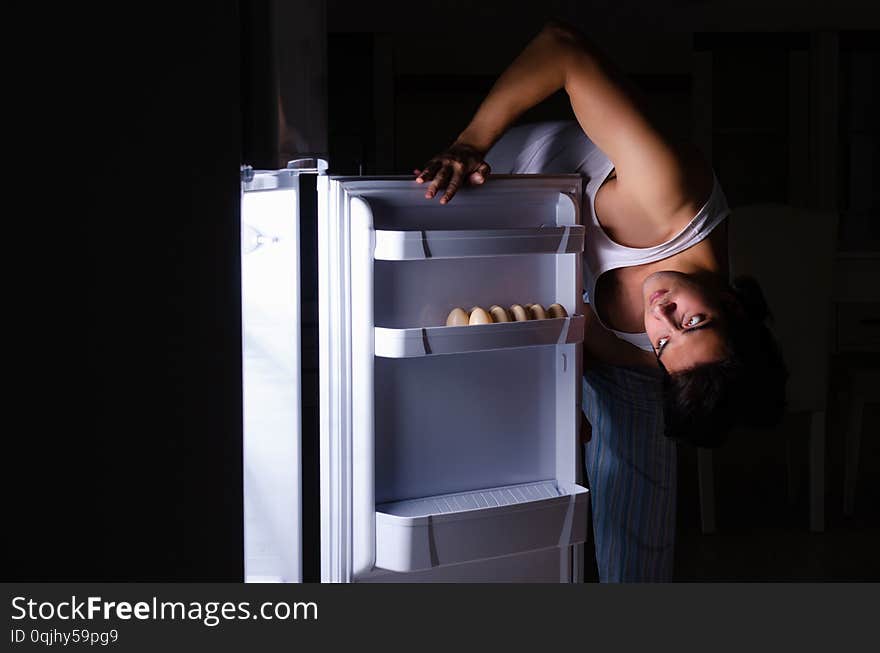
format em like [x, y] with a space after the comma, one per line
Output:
[657, 294]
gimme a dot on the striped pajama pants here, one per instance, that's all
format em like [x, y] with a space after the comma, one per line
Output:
[631, 470]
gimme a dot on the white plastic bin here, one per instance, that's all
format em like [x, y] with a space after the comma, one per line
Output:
[429, 341]
[424, 533]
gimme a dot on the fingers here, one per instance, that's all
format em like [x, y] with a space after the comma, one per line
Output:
[449, 176]
[438, 182]
[479, 175]
[454, 184]
[427, 174]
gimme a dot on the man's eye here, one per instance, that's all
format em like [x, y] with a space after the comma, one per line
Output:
[662, 342]
[694, 321]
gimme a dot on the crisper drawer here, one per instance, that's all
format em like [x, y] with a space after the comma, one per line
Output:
[453, 528]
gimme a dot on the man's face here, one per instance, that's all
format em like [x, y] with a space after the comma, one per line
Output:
[683, 321]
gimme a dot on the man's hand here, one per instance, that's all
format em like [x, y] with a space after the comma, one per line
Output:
[451, 169]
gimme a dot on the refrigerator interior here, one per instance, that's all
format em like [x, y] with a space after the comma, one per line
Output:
[450, 452]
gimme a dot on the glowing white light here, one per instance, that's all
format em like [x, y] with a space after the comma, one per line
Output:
[271, 370]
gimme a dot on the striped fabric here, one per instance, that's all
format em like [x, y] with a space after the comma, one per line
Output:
[631, 470]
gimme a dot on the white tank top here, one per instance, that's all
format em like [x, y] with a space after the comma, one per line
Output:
[563, 147]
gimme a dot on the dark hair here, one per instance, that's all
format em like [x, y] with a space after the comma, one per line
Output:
[746, 388]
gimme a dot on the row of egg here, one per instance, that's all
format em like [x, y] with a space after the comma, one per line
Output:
[516, 313]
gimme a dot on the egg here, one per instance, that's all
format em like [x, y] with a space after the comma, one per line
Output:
[556, 310]
[499, 314]
[519, 313]
[536, 312]
[479, 316]
[457, 317]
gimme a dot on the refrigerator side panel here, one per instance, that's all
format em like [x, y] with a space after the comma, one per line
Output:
[271, 384]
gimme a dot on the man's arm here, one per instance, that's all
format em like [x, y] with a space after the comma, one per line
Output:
[649, 167]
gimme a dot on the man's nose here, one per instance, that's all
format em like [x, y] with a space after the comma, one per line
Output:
[665, 311]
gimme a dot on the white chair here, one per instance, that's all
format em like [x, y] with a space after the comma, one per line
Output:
[790, 251]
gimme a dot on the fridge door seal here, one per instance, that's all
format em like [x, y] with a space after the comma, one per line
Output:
[346, 243]
[363, 483]
[334, 383]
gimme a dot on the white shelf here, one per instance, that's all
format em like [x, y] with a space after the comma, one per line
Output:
[430, 341]
[421, 245]
[453, 528]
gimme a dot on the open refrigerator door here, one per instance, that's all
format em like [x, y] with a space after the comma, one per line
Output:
[449, 452]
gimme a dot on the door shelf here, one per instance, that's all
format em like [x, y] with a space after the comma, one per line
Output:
[453, 528]
[420, 245]
[431, 341]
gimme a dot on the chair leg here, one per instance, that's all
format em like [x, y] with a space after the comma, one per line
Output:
[706, 476]
[851, 455]
[817, 471]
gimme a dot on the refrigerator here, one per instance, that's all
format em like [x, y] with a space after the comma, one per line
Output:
[446, 453]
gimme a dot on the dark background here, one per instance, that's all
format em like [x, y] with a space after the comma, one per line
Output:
[128, 412]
